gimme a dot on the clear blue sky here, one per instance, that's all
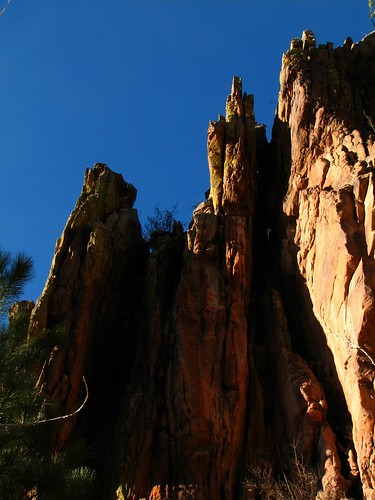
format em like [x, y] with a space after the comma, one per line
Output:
[133, 84]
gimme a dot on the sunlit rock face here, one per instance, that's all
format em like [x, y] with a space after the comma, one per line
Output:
[325, 126]
[249, 339]
[212, 310]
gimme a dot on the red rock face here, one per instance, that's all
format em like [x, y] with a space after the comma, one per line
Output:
[92, 291]
[326, 103]
[210, 366]
[193, 439]
[184, 413]
[252, 332]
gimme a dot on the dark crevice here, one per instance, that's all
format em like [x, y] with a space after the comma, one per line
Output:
[306, 335]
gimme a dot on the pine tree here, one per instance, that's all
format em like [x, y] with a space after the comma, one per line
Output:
[28, 419]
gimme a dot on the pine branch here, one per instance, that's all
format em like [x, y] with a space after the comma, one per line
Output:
[14, 274]
[53, 419]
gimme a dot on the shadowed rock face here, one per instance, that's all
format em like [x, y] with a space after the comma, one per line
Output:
[252, 331]
[93, 290]
[191, 438]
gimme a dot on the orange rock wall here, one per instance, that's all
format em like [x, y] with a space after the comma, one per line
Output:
[198, 430]
[251, 332]
[326, 102]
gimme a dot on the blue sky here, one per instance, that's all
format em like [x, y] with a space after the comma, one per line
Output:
[132, 84]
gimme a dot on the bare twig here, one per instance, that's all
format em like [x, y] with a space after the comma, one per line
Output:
[368, 118]
[54, 419]
[286, 480]
[352, 345]
[5, 8]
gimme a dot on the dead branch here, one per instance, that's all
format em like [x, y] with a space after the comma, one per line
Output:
[351, 344]
[54, 419]
[5, 8]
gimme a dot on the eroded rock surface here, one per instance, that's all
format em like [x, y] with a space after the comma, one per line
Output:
[205, 375]
[324, 122]
[93, 291]
[251, 333]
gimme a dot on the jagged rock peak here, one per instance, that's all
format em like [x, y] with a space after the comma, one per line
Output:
[91, 287]
[238, 103]
[231, 154]
[102, 179]
[234, 100]
[307, 41]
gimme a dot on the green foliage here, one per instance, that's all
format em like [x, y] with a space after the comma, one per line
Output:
[20, 360]
[66, 480]
[58, 476]
[161, 220]
[28, 467]
[14, 273]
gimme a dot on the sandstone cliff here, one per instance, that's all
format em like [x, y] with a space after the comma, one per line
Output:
[251, 332]
[325, 110]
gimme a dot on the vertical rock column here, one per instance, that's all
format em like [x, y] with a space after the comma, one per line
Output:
[187, 425]
[327, 106]
[209, 373]
[92, 291]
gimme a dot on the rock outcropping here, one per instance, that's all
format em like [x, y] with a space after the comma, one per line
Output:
[326, 105]
[249, 340]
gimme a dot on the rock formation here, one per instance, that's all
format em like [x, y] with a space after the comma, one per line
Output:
[93, 291]
[249, 339]
[326, 103]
